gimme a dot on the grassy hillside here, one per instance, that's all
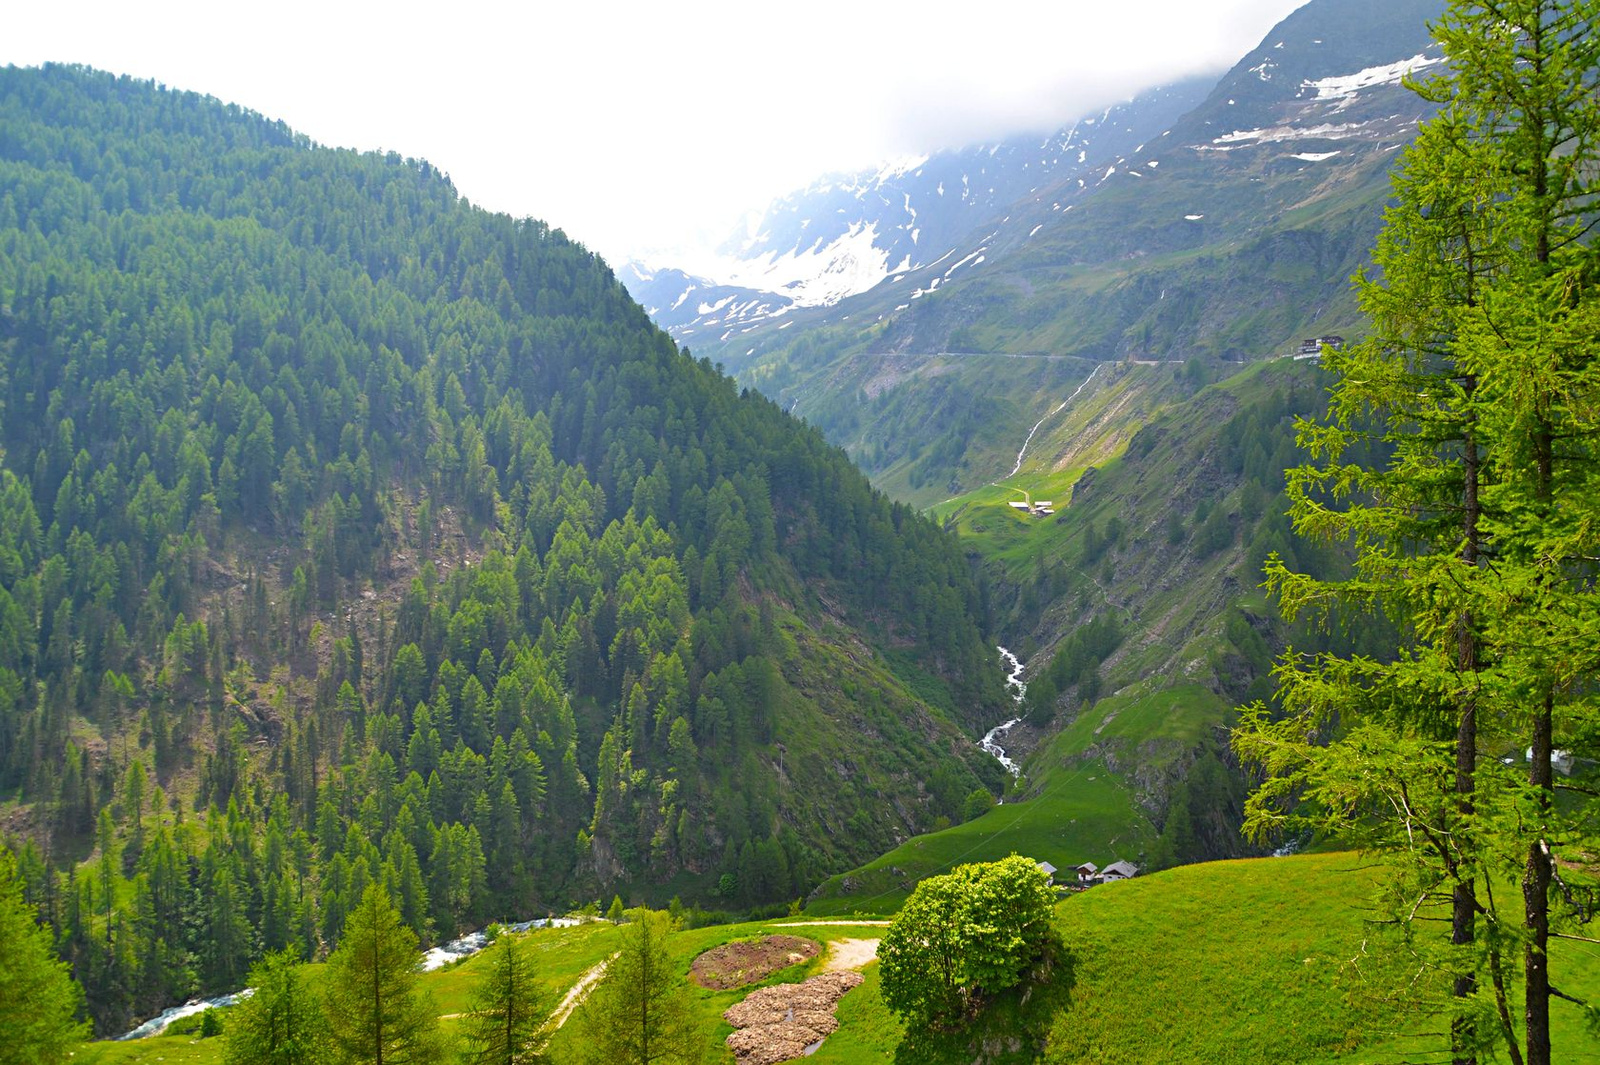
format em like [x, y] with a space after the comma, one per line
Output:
[1260, 960]
[1083, 427]
[1236, 963]
[1227, 962]
[1080, 812]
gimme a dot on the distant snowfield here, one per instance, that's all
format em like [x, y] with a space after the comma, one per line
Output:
[1344, 86]
[1326, 131]
[819, 276]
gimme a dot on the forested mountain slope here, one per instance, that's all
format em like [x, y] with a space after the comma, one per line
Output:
[348, 531]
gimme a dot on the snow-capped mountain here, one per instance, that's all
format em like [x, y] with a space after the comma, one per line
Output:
[1318, 105]
[845, 234]
[1217, 222]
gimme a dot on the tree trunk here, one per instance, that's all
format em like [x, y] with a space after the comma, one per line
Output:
[1464, 900]
[1536, 899]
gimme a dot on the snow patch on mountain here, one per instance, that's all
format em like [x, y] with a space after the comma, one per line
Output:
[818, 276]
[712, 308]
[897, 168]
[1344, 86]
[1325, 131]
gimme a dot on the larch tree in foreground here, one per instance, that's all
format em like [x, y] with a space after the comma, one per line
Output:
[377, 1013]
[506, 1025]
[1477, 532]
[641, 1012]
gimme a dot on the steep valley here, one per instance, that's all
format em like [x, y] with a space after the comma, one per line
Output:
[359, 545]
[1091, 390]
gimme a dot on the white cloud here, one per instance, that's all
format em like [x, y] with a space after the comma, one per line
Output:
[639, 125]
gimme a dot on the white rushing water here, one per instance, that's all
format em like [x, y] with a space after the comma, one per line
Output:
[432, 959]
[472, 942]
[991, 739]
[160, 1022]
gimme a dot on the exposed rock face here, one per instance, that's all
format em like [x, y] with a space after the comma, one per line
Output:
[778, 1023]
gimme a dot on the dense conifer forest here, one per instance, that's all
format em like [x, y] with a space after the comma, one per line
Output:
[350, 533]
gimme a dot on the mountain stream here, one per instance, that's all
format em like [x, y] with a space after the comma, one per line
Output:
[1035, 429]
[431, 959]
[991, 739]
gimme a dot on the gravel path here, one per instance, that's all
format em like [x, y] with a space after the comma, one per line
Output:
[850, 954]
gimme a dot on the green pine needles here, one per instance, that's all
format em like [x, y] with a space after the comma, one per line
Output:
[376, 1011]
[507, 1022]
[1459, 458]
[640, 1012]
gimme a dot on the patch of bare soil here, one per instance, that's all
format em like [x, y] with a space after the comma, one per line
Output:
[737, 964]
[783, 1022]
[850, 954]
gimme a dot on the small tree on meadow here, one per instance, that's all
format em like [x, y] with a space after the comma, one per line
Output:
[640, 1013]
[506, 1025]
[282, 1022]
[966, 936]
[376, 1011]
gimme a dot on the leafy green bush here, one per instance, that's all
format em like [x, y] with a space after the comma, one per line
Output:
[964, 937]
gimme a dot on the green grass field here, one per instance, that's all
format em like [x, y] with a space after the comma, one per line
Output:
[562, 956]
[1083, 813]
[1269, 959]
[1230, 963]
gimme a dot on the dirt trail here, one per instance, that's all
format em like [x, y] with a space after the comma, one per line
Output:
[580, 991]
[850, 954]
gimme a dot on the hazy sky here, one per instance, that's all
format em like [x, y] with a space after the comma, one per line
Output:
[639, 126]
